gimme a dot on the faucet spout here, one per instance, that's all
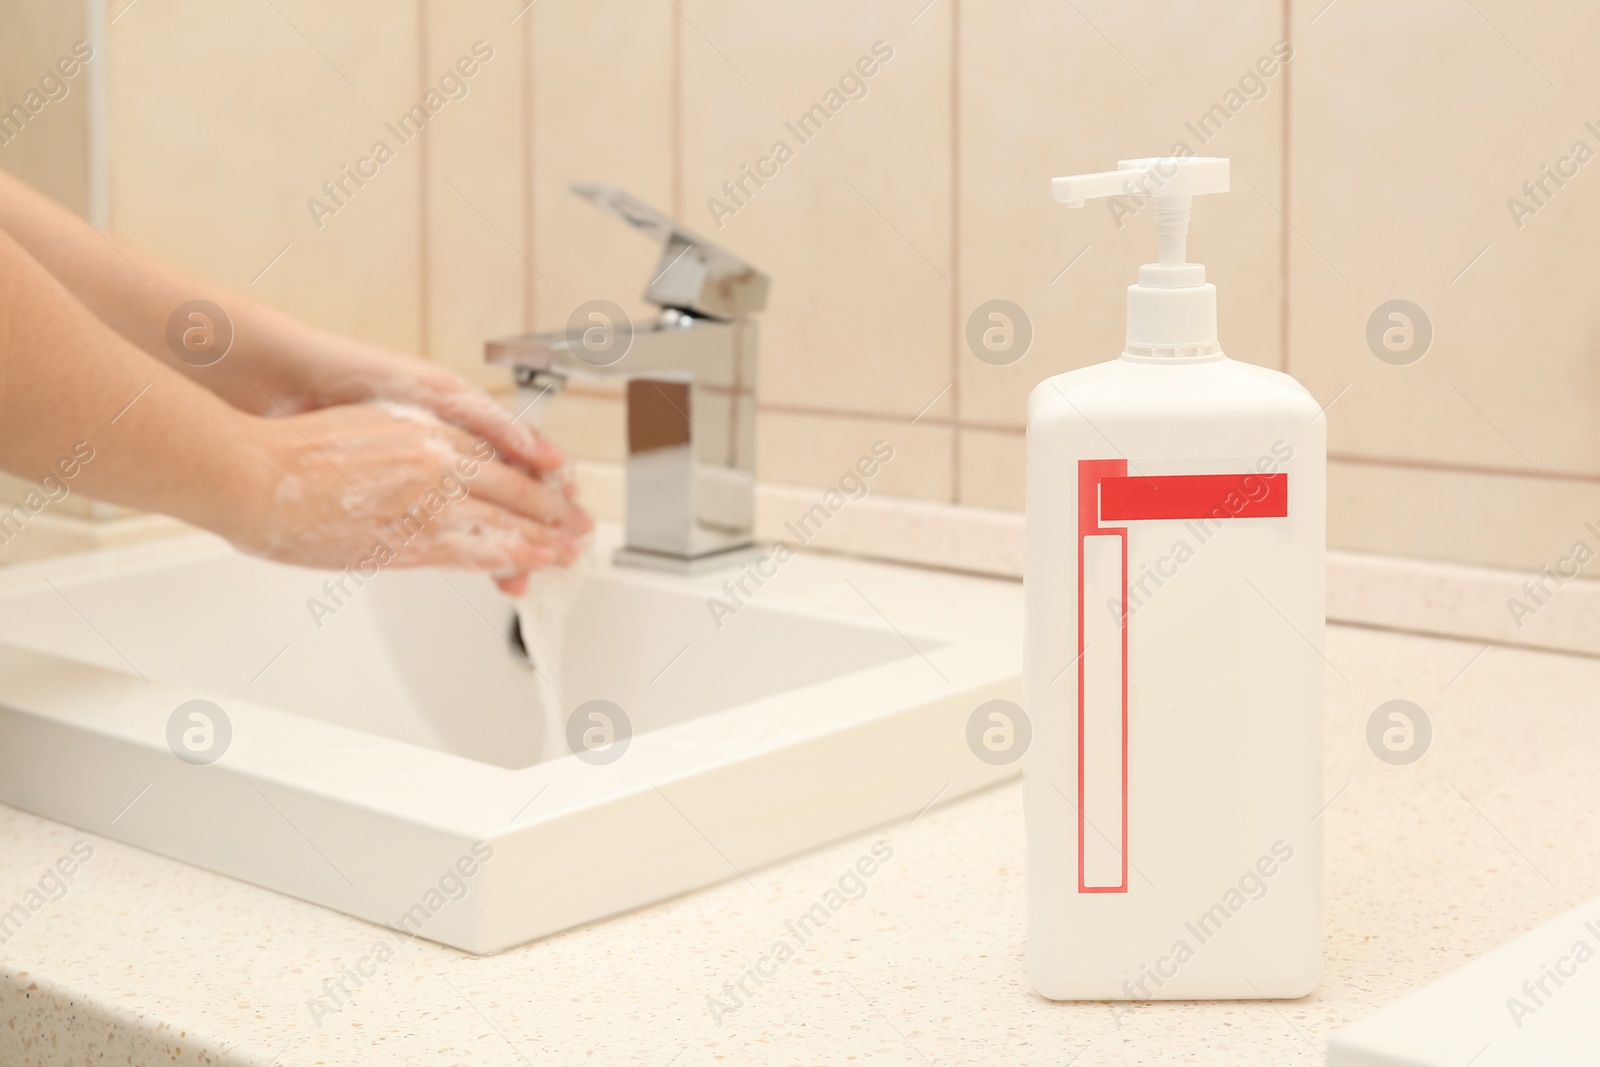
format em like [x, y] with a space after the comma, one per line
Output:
[691, 394]
[676, 345]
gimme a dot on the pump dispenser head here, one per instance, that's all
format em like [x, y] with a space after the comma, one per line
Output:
[1172, 312]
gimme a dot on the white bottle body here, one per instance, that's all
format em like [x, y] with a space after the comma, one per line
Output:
[1174, 854]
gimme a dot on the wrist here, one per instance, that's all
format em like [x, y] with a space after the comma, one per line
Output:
[255, 466]
[283, 367]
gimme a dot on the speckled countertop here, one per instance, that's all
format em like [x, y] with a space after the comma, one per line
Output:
[146, 961]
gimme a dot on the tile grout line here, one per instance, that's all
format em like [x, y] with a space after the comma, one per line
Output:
[1285, 305]
[675, 93]
[955, 252]
[932, 422]
[1019, 430]
[937, 421]
[530, 291]
[578, 389]
[1460, 468]
[424, 214]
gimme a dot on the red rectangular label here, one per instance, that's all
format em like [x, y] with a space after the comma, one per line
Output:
[1108, 498]
[1092, 474]
[1194, 496]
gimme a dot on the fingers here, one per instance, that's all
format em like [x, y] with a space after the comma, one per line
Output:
[530, 498]
[518, 492]
[512, 584]
[478, 536]
[458, 402]
[515, 491]
[468, 469]
[432, 493]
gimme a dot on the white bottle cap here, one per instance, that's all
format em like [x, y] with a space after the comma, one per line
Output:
[1172, 312]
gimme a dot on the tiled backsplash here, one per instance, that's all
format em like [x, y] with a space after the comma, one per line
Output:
[1374, 146]
[1413, 127]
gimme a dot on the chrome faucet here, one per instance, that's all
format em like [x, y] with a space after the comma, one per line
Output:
[691, 391]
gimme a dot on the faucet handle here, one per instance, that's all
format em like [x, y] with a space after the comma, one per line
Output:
[693, 274]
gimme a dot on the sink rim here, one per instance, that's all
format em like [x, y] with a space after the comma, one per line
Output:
[428, 793]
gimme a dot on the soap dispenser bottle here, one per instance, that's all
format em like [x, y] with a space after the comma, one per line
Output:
[1174, 664]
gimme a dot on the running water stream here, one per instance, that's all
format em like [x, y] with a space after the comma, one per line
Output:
[542, 615]
[542, 612]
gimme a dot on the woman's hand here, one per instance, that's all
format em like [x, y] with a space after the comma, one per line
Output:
[275, 364]
[336, 370]
[369, 486]
[337, 486]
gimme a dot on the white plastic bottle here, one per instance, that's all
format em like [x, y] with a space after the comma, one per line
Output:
[1174, 586]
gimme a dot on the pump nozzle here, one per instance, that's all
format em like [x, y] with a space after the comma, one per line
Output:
[1172, 311]
[1173, 182]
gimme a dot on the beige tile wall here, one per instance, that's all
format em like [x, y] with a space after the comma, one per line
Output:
[52, 148]
[1087, 84]
[50, 151]
[1413, 124]
[477, 256]
[1374, 164]
[604, 95]
[856, 230]
[225, 122]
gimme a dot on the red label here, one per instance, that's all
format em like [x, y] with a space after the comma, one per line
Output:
[1194, 496]
[1108, 497]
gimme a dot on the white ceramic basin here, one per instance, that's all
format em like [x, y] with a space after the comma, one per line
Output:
[387, 762]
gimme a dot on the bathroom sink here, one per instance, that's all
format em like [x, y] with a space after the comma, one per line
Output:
[379, 747]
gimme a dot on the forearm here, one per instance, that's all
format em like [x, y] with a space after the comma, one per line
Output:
[275, 364]
[158, 441]
[264, 370]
